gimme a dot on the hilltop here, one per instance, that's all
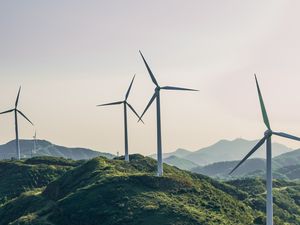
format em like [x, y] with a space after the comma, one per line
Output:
[116, 192]
[17, 177]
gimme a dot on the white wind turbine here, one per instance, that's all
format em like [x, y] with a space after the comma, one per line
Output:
[156, 96]
[266, 138]
[16, 112]
[125, 105]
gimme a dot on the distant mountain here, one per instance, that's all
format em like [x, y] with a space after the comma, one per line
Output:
[45, 148]
[181, 153]
[222, 169]
[180, 163]
[251, 167]
[226, 150]
[291, 172]
[285, 166]
[289, 158]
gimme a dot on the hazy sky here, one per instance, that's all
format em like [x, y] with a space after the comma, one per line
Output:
[72, 55]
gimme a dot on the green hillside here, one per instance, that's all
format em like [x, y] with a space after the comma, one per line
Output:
[111, 192]
[286, 197]
[17, 177]
[104, 191]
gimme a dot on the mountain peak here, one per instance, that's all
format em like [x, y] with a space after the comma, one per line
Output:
[46, 148]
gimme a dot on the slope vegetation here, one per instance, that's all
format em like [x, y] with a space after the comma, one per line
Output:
[107, 192]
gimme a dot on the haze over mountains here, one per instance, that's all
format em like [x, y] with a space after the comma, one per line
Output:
[46, 148]
[286, 166]
[219, 159]
[226, 150]
[215, 161]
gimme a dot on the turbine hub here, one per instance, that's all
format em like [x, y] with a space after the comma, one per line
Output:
[268, 133]
[157, 89]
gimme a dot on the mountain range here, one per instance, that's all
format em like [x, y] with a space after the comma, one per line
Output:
[220, 167]
[225, 150]
[46, 148]
[285, 166]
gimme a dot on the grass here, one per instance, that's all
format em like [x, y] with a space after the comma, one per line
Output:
[111, 192]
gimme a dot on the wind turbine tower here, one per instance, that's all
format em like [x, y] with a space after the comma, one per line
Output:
[34, 145]
[16, 112]
[266, 138]
[156, 96]
[125, 105]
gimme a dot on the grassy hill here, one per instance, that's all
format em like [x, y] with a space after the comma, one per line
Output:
[286, 197]
[115, 192]
[111, 192]
[46, 148]
[17, 177]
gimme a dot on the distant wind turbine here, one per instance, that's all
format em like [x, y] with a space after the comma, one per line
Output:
[156, 96]
[16, 111]
[125, 104]
[267, 137]
[34, 145]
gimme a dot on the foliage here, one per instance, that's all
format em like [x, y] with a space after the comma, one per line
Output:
[111, 192]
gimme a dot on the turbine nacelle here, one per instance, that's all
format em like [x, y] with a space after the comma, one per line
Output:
[15, 109]
[268, 133]
[158, 88]
[125, 102]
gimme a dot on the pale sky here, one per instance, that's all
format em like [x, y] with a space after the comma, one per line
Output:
[70, 56]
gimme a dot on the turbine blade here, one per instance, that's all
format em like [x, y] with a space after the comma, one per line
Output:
[260, 143]
[149, 104]
[112, 103]
[17, 100]
[262, 106]
[25, 117]
[149, 71]
[177, 88]
[128, 91]
[133, 110]
[281, 134]
[8, 111]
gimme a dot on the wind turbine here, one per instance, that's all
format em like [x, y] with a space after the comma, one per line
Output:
[156, 96]
[16, 111]
[34, 144]
[266, 138]
[125, 104]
